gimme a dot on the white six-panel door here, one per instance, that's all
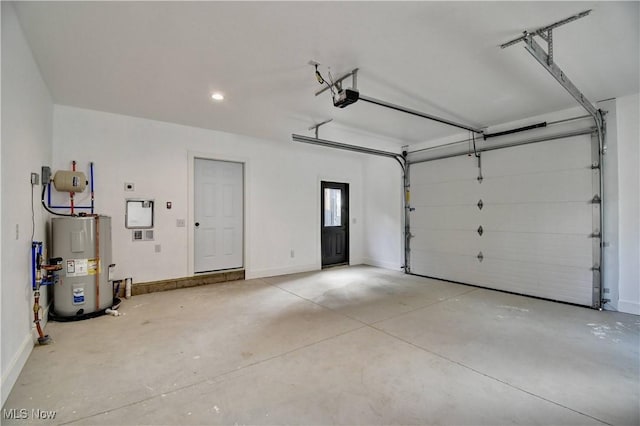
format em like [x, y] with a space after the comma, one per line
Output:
[218, 215]
[536, 217]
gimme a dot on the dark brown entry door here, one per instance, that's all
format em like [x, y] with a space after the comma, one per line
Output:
[335, 223]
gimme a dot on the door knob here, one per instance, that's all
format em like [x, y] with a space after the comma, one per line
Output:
[197, 224]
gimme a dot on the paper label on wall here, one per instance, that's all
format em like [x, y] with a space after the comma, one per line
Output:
[77, 267]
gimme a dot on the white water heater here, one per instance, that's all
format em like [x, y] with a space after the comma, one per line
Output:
[84, 244]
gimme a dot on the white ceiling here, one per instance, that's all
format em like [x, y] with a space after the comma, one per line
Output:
[161, 60]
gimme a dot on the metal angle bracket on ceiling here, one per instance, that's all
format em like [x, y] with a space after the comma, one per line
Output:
[546, 59]
[316, 127]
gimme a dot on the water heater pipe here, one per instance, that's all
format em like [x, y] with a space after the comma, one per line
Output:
[91, 184]
[43, 339]
[97, 274]
[73, 168]
[36, 281]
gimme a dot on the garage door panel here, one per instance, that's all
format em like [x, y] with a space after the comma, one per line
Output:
[446, 266]
[573, 285]
[444, 193]
[445, 170]
[541, 157]
[551, 218]
[557, 282]
[459, 242]
[545, 249]
[444, 217]
[537, 220]
[556, 186]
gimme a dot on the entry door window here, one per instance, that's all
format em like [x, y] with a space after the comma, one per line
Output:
[332, 207]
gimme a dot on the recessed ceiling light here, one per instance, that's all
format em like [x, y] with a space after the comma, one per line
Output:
[217, 96]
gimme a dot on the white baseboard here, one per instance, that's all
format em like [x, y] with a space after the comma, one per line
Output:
[272, 272]
[10, 376]
[629, 307]
[394, 266]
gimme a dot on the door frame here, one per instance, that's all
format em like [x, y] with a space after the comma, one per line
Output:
[190, 219]
[337, 179]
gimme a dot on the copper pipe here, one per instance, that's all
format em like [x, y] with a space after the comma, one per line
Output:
[71, 194]
[97, 274]
[36, 312]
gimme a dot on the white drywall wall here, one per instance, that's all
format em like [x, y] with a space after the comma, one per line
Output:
[628, 135]
[26, 146]
[282, 190]
[383, 213]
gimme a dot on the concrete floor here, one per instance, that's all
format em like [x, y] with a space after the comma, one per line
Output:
[356, 345]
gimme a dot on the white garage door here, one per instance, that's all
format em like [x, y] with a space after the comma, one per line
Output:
[535, 207]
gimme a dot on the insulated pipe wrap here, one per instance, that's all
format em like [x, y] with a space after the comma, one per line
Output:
[67, 181]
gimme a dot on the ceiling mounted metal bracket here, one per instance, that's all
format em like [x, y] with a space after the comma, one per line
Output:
[544, 32]
[315, 127]
[546, 59]
[337, 83]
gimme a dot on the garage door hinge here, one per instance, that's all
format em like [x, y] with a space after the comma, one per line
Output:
[596, 234]
[595, 165]
[596, 268]
[595, 199]
[411, 209]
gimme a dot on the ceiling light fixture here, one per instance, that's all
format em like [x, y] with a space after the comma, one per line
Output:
[217, 96]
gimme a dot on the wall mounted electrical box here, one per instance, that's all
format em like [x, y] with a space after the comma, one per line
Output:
[139, 214]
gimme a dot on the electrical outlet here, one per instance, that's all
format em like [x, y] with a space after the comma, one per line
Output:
[46, 174]
[35, 178]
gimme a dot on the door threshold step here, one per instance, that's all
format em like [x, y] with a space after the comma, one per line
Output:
[185, 282]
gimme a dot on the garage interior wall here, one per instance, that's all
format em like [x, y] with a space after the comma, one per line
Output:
[26, 146]
[383, 213]
[282, 190]
[282, 214]
[628, 134]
